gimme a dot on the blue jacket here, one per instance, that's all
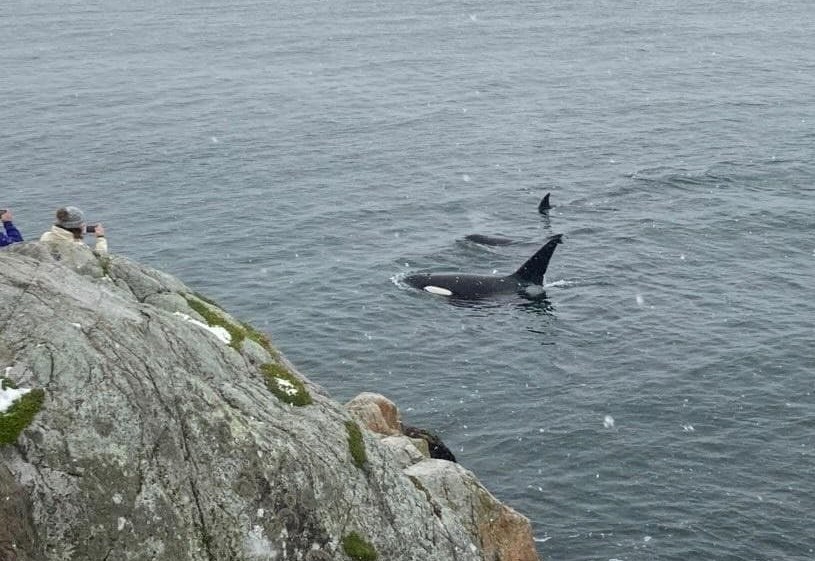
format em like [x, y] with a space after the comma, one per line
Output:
[11, 234]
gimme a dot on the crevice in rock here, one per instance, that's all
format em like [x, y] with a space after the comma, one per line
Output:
[433, 505]
[206, 537]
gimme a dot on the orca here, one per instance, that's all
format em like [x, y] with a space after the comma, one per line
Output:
[472, 286]
[543, 208]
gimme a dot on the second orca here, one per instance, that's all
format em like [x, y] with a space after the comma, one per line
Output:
[543, 208]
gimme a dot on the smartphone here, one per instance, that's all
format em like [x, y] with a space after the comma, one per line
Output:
[90, 229]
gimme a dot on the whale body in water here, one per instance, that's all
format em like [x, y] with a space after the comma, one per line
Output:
[473, 286]
[489, 240]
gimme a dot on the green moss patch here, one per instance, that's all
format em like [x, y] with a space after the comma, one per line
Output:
[213, 319]
[20, 414]
[357, 548]
[104, 262]
[209, 301]
[285, 385]
[260, 338]
[206, 308]
[356, 444]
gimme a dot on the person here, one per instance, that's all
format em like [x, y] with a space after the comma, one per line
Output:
[70, 226]
[10, 234]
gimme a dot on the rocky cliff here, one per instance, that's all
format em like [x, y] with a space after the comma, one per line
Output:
[143, 422]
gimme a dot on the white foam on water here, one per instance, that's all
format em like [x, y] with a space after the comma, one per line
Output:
[534, 290]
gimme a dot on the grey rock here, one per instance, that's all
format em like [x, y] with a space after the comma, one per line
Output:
[169, 301]
[255, 353]
[158, 441]
[142, 281]
[499, 532]
[18, 539]
[406, 451]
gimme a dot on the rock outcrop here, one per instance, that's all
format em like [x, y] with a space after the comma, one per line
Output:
[167, 430]
[380, 414]
[501, 533]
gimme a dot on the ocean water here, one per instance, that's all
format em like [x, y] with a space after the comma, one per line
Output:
[293, 160]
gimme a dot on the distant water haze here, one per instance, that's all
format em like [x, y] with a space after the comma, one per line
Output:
[290, 159]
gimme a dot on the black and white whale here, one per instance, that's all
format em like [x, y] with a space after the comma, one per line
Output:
[471, 286]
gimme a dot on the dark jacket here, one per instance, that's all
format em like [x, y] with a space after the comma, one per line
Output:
[10, 235]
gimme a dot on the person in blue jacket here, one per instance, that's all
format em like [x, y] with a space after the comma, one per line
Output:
[10, 234]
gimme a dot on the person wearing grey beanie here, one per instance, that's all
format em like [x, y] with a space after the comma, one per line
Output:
[70, 226]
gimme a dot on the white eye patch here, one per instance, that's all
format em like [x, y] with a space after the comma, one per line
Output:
[437, 290]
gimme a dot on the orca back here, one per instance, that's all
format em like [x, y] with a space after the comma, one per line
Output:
[488, 240]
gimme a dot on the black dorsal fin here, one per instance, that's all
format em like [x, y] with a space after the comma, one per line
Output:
[544, 204]
[533, 270]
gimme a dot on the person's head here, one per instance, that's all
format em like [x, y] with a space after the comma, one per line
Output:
[72, 219]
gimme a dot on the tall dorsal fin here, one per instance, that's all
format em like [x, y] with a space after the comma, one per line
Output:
[535, 267]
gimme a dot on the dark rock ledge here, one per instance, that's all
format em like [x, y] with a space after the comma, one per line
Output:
[165, 429]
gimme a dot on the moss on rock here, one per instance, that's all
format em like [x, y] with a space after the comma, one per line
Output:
[207, 300]
[104, 262]
[260, 338]
[356, 444]
[205, 309]
[357, 548]
[285, 385]
[20, 414]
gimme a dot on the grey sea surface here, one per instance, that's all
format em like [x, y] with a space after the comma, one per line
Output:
[293, 160]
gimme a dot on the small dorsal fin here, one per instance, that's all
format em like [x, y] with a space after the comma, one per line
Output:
[544, 204]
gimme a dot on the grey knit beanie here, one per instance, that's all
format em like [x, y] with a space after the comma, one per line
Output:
[70, 217]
